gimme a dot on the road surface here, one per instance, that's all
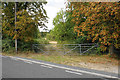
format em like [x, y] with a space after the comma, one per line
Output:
[16, 67]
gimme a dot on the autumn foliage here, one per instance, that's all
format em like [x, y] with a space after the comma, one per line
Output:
[102, 21]
[28, 19]
[29, 16]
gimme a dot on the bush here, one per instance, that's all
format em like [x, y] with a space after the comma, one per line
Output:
[37, 48]
[49, 36]
[41, 41]
[8, 45]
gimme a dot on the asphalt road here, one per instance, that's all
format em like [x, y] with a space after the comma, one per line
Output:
[15, 67]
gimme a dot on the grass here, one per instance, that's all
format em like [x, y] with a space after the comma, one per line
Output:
[97, 62]
[67, 60]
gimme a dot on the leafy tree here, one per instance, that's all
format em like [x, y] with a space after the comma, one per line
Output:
[30, 15]
[63, 31]
[102, 22]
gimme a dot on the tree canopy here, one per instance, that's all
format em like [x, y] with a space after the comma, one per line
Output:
[63, 30]
[30, 15]
[102, 21]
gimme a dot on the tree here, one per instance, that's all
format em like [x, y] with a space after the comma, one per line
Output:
[63, 31]
[30, 15]
[102, 22]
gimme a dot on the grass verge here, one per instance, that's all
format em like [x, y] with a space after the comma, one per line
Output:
[103, 62]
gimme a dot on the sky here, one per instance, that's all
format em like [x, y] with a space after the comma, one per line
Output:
[52, 7]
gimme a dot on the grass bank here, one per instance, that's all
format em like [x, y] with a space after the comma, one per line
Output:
[103, 62]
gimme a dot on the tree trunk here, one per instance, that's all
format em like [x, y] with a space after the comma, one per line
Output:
[115, 53]
[111, 50]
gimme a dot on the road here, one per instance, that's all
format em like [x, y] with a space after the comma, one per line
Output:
[16, 67]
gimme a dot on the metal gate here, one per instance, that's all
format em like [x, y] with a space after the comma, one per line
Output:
[65, 49]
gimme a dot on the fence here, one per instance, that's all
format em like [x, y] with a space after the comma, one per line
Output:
[65, 49]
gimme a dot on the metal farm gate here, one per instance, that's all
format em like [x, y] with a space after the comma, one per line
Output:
[65, 49]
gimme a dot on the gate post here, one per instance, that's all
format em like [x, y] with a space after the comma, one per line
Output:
[80, 48]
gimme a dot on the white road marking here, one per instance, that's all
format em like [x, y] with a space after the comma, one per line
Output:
[73, 72]
[76, 70]
[28, 62]
[46, 66]
[22, 60]
[14, 59]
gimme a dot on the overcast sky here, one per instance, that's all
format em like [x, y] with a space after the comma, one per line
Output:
[52, 7]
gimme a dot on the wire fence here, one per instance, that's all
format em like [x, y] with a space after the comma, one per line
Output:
[65, 49]
[53, 49]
